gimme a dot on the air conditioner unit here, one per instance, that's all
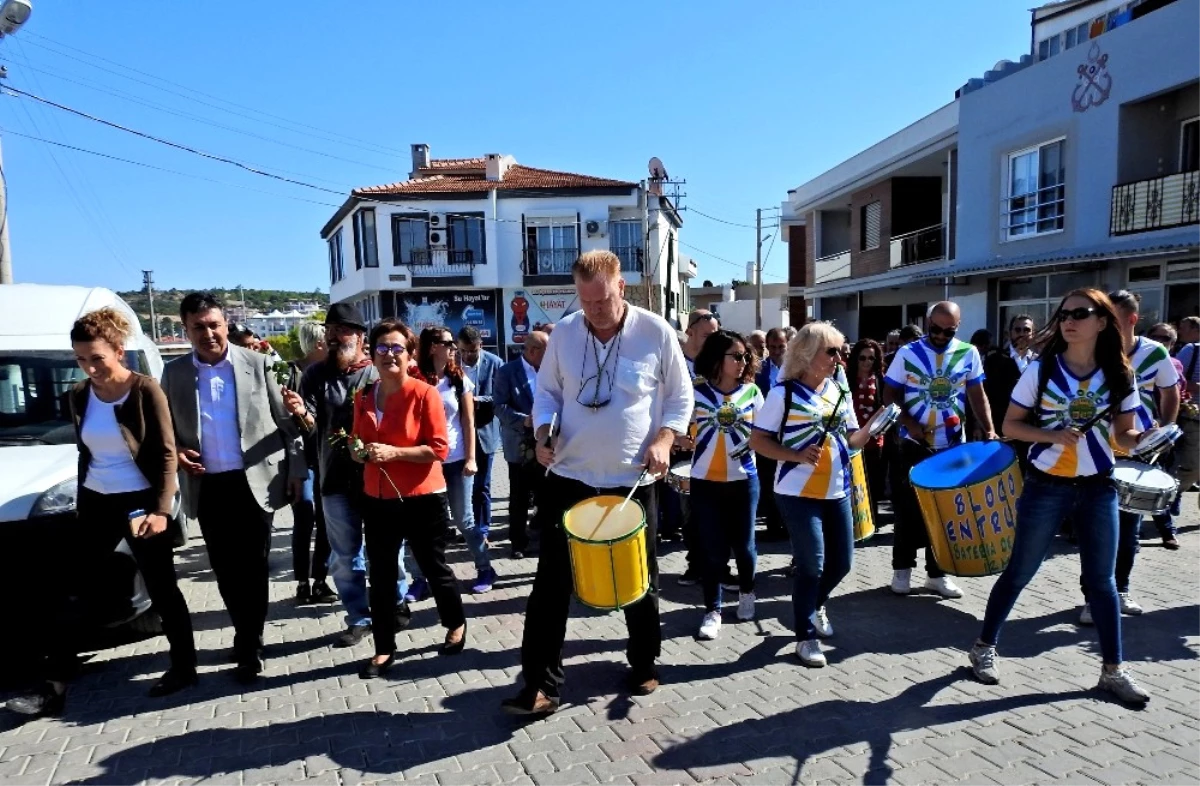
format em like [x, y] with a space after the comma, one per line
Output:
[437, 237]
[592, 227]
[437, 221]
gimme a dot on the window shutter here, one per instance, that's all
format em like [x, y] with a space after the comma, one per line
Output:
[871, 215]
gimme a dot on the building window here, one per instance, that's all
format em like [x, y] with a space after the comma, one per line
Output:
[625, 240]
[337, 270]
[1036, 296]
[551, 248]
[410, 240]
[366, 250]
[1036, 191]
[869, 226]
[466, 240]
[1189, 145]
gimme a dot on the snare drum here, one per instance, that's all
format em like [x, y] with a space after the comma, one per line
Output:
[1157, 440]
[607, 544]
[680, 477]
[968, 496]
[1142, 488]
[891, 413]
[860, 499]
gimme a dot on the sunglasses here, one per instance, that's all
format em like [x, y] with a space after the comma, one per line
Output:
[934, 330]
[1022, 330]
[833, 352]
[390, 349]
[743, 357]
[1075, 314]
[448, 344]
[866, 358]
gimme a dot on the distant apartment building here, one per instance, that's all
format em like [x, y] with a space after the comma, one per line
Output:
[490, 242]
[1077, 165]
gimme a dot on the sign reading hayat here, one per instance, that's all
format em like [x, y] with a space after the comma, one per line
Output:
[530, 308]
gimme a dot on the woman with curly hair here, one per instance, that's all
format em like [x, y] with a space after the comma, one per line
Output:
[865, 371]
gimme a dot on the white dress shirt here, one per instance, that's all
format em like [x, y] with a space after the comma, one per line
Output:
[220, 434]
[531, 375]
[646, 384]
[1022, 359]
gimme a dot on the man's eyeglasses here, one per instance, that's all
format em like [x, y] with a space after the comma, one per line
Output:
[1075, 314]
[742, 357]
[935, 330]
[1023, 329]
[390, 349]
[700, 318]
[592, 390]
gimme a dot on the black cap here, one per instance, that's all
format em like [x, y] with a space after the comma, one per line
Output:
[345, 314]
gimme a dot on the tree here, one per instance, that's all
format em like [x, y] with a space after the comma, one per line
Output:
[166, 327]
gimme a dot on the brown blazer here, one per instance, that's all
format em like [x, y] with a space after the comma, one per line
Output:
[145, 422]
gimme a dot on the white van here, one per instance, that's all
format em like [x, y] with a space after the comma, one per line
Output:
[38, 455]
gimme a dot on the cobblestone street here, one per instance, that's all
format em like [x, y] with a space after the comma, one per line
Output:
[896, 704]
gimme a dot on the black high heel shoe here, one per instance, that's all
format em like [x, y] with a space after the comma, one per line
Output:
[453, 648]
[373, 669]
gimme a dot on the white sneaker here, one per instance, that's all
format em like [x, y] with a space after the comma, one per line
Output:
[1129, 605]
[1085, 616]
[943, 586]
[983, 663]
[902, 582]
[745, 611]
[1120, 682]
[820, 621]
[710, 628]
[810, 653]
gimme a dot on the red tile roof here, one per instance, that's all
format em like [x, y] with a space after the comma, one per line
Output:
[517, 177]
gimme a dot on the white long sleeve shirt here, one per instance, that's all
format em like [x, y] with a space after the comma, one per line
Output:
[220, 435]
[647, 387]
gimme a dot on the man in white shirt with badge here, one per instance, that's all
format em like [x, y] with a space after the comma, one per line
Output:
[615, 384]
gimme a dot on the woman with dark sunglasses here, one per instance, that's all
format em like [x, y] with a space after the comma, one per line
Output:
[402, 425]
[1069, 404]
[724, 487]
[808, 425]
[866, 384]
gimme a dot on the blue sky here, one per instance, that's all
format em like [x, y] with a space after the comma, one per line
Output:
[744, 100]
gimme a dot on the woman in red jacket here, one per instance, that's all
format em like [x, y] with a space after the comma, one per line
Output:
[401, 426]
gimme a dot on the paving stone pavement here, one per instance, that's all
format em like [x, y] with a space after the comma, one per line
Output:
[896, 704]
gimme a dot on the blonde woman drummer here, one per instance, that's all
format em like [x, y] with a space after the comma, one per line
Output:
[808, 425]
[724, 485]
[1081, 394]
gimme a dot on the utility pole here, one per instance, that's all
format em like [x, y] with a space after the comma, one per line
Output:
[6, 271]
[758, 269]
[148, 280]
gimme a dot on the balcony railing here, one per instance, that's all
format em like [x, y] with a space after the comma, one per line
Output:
[631, 258]
[832, 267]
[924, 245]
[438, 262]
[549, 261]
[1157, 203]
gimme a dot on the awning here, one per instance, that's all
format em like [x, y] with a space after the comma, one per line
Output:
[1108, 252]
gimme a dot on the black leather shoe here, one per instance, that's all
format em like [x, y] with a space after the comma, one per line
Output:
[454, 647]
[526, 704]
[351, 636]
[249, 671]
[403, 616]
[173, 681]
[46, 701]
[321, 593]
[303, 594]
[373, 669]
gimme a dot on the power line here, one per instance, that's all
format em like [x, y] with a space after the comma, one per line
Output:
[692, 209]
[699, 250]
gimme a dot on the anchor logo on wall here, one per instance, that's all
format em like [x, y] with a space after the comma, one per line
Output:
[1094, 84]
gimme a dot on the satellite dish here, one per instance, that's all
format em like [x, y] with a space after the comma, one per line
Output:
[657, 170]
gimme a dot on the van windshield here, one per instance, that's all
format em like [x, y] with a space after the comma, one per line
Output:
[33, 397]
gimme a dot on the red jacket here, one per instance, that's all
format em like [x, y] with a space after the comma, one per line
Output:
[414, 416]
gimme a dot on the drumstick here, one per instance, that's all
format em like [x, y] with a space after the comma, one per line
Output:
[1087, 426]
[636, 483]
[550, 436]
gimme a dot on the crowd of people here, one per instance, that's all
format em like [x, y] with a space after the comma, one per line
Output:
[383, 441]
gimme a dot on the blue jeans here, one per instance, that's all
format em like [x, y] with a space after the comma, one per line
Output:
[822, 533]
[481, 497]
[347, 558]
[723, 514]
[458, 494]
[1042, 507]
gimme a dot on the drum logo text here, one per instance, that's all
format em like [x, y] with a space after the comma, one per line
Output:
[727, 416]
[940, 389]
[1081, 409]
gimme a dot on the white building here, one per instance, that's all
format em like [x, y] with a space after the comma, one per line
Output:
[489, 242]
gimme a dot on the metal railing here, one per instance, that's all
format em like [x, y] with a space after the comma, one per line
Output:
[431, 262]
[631, 258]
[1034, 213]
[549, 261]
[923, 245]
[832, 267]
[1156, 203]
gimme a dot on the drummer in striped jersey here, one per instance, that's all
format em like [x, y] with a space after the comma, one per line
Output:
[808, 425]
[724, 487]
[1157, 384]
[1080, 394]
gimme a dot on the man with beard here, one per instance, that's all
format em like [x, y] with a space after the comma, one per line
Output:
[1003, 367]
[325, 404]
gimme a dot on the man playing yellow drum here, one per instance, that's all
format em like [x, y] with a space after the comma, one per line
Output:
[615, 384]
[931, 379]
